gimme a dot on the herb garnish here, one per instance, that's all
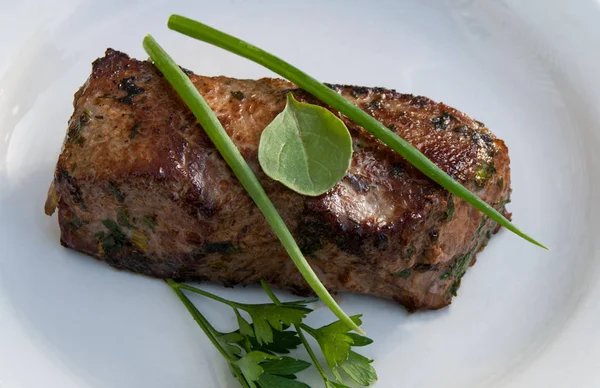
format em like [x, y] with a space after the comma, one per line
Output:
[114, 241]
[76, 127]
[213, 128]
[357, 367]
[237, 95]
[123, 218]
[237, 46]
[405, 273]
[114, 190]
[252, 350]
[306, 147]
[286, 154]
[150, 221]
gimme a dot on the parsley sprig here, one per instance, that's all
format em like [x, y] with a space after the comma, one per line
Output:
[254, 350]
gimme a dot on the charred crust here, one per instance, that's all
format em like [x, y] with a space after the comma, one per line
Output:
[397, 170]
[374, 105]
[186, 71]
[420, 101]
[442, 122]
[113, 189]
[225, 247]
[316, 227]
[357, 183]
[381, 242]
[461, 129]
[423, 267]
[238, 95]
[485, 141]
[63, 176]
[128, 85]
[309, 234]
[358, 91]
[180, 268]
[136, 262]
[135, 130]
[112, 61]
[296, 289]
[199, 207]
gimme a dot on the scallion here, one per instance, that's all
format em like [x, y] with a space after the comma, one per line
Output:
[206, 117]
[237, 46]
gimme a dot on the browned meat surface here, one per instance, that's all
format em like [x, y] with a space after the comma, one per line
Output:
[139, 185]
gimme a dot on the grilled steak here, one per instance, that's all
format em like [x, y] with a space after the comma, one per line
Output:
[139, 185]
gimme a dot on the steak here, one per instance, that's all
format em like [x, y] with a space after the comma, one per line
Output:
[139, 185]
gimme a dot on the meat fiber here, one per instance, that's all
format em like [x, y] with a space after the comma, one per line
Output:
[138, 184]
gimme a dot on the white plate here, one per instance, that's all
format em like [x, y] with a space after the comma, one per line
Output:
[528, 69]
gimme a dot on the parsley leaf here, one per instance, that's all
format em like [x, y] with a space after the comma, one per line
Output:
[285, 366]
[273, 381]
[250, 364]
[359, 369]
[250, 351]
[268, 316]
[283, 342]
[336, 342]
[359, 340]
[123, 217]
[230, 341]
[245, 328]
[276, 372]
[333, 384]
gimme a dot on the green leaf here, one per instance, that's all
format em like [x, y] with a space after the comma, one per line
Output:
[333, 384]
[250, 364]
[340, 326]
[306, 147]
[76, 127]
[75, 222]
[359, 369]
[272, 381]
[283, 342]
[285, 366]
[459, 268]
[114, 190]
[275, 373]
[150, 221]
[301, 303]
[123, 217]
[359, 340]
[245, 328]
[334, 342]
[232, 337]
[114, 241]
[114, 229]
[266, 317]
[230, 341]
[336, 345]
